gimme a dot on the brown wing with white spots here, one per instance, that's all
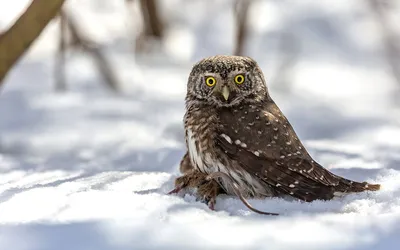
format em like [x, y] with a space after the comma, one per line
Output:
[264, 143]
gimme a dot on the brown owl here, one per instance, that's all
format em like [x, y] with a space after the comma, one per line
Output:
[233, 126]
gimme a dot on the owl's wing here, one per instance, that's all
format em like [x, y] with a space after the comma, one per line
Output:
[271, 151]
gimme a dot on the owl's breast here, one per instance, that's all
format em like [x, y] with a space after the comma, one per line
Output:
[201, 151]
[200, 131]
[195, 153]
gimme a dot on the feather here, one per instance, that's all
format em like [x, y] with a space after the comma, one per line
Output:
[276, 156]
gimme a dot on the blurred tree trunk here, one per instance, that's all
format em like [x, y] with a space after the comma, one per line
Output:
[289, 51]
[391, 42]
[152, 24]
[59, 67]
[241, 10]
[19, 37]
[80, 40]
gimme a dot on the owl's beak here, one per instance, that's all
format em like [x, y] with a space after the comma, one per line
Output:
[225, 92]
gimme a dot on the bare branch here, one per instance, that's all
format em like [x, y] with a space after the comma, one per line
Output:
[241, 12]
[152, 23]
[17, 39]
[153, 28]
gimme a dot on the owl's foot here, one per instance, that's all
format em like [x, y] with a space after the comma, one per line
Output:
[189, 180]
[192, 179]
[207, 190]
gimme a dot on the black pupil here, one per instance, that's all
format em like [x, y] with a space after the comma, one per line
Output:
[210, 81]
[240, 78]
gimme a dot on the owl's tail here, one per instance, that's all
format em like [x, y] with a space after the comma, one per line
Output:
[364, 186]
[347, 186]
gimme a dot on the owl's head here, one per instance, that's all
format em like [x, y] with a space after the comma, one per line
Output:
[225, 81]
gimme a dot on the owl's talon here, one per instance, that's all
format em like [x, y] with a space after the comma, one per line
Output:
[178, 187]
[211, 204]
[209, 201]
[209, 191]
[175, 190]
[203, 199]
[180, 183]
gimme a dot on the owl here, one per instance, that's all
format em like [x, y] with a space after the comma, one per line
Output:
[233, 126]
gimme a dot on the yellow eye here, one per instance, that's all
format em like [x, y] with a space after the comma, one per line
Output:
[239, 79]
[210, 81]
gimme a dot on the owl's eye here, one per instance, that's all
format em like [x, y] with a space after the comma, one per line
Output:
[210, 81]
[239, 79]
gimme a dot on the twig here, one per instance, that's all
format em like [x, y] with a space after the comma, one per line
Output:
[17, 39]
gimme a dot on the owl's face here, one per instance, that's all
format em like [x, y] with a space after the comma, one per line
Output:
[225, 81]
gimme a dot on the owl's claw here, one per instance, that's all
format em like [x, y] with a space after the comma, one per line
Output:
[207, 190]
[177, 189]
[211, 204]
[207, 200]
[180, 183]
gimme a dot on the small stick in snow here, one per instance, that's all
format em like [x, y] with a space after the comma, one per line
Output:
[237, 191]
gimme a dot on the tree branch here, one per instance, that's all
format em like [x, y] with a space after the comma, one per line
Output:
[241, 11]
[17, 39]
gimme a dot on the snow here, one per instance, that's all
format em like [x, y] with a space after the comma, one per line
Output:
[90, 169]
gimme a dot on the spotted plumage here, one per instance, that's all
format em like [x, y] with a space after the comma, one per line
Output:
[236, 128]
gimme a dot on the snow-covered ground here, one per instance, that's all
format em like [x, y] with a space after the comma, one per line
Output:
[89, 169]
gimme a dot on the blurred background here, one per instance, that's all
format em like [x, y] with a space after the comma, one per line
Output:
[103, 86]
[91, 109]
